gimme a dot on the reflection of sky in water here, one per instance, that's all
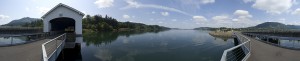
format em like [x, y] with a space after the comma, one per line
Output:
[290, 43]
[104, 54]
[173, 45]
[11, 40]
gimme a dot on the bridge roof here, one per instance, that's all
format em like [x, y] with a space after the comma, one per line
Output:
[63, 5]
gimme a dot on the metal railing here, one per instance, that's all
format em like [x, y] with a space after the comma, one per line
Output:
[240, 52]
[52, 48]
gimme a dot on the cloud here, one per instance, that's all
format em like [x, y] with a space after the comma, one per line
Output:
[153, 12]
[273, 6]
[242, 14]
[196, 3]
[220, 18]
[282, 20]
[42, 10]
[240, 18]
[174, 20]
[296, 12]
[246, 1]
[199, 18]
[165, 13]
[27, 9]
[134, 4]
[236, 22]
[4, 17]
[126, 16]
[235, 19]
[207, 1]
[104, 3]
[160, 22]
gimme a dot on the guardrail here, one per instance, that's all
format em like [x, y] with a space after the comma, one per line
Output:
[52, 48]
[240, 52]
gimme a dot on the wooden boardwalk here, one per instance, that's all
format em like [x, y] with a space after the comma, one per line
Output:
[261, 51]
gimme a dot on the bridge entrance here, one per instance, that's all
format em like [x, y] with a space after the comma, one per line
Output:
[63, 25]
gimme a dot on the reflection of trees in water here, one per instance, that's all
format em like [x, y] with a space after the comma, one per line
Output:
[99, 38]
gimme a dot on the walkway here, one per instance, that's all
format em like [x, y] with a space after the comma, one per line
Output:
[25, 52]
[261, 51]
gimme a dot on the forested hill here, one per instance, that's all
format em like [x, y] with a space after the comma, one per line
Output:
[22, 21]
[276, 25]
[100, 23]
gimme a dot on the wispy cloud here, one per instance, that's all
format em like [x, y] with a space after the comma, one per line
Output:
[135, 4]
[240, 18]
[3, 17]
[126, 16]
[42, 10]
[165, 13]
[27, 9]
[196, 3]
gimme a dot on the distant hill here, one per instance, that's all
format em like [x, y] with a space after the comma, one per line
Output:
[270, 25]
[203, 28]
[265, 25]
[276, 25]
[20, 22]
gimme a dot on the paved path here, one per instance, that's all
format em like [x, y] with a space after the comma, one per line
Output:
[261, 51]
[25, 52]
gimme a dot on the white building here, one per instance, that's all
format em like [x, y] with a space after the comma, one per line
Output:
[63, 17]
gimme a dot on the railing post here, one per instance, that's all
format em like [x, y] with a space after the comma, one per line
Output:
[250, 46]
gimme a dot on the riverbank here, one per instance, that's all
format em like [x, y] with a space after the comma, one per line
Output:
[221, 33]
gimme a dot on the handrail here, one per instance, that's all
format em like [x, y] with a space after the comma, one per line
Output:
[224, 56]
[45, 55]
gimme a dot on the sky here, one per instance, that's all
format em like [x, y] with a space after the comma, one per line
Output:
[185, 14]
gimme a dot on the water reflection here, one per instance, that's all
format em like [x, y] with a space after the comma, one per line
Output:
[173, 45]
[104, 54]
[99, 38]
[13, 40]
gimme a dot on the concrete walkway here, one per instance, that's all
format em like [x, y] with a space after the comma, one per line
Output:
[25, 52]
[261, 51]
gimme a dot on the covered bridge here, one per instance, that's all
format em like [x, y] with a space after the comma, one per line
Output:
[63, 18]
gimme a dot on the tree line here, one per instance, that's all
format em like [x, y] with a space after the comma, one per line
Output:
[106, 23]
[37, 23]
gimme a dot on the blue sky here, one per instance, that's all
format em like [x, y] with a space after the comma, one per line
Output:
[185, 14]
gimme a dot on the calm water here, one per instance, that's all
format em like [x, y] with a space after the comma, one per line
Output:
[290, 43]
[12, 40]
[172, 45]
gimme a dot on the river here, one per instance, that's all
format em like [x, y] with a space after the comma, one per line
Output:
[171, 45]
